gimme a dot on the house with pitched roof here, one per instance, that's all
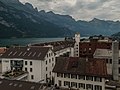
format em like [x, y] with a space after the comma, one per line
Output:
[35, 62]
[80, 73]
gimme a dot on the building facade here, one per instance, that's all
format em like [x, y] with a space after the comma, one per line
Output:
[37, 61]
[79, 73]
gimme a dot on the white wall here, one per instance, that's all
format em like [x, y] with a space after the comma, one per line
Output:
[62, 51]
[71, 52]
[5, 65]
[36, 69]
[80, 81]
[50, 59]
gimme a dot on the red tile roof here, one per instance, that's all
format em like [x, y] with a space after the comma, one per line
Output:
[2, 50]
[81, 66]
[87, 49]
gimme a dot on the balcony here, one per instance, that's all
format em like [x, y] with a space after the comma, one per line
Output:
[15, 75]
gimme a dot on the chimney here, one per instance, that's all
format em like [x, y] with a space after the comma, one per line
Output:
[115, 58]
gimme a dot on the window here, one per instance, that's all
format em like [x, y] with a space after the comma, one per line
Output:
[30, 62]
[73, 76]
[61, 75]
[119, 69]
[89, 78]
[26, 69]
[46, 62]
[49, 60]
[81, 77]
[59, 83]
[46, 76]
[81, 85]
[119, 61]
[25, 62]
[76, 54]
[46, 68]
[32, 77]
[89, 44]
[31, 70]
[76, 47]
[66, 75]
[50, 73]
[106, 60]
[66, 83]
[58, 74]
[47, 55]
[89, 87]
[97, 87]
[110, 61]
[99, 79]
[73, 84]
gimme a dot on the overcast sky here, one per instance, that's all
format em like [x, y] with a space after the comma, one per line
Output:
[81, 9]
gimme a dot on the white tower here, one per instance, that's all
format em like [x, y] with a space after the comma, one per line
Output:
[77, 37]
[115, 58]
[76, 47]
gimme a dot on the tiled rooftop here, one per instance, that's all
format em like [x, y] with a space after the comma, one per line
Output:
[25, 85]
[81, 66]
[18, 85]
[26, 52]
[87, 49]
[58, 45]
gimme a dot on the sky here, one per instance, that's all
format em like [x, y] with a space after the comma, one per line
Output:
[81, 9]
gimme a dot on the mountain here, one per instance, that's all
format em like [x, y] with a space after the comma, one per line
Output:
[86, 28]
[23, 21]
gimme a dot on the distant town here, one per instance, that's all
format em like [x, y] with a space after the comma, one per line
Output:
[72, 64]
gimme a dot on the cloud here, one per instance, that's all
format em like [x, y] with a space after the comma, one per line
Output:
[81, 9]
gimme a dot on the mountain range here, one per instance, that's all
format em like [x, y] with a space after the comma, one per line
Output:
[23, 20]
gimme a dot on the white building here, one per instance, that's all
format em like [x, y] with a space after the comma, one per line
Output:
[80, 73]
[37, 61]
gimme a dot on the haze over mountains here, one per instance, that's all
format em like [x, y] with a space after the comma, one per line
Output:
[19, 20]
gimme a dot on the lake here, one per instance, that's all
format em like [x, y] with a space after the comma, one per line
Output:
[25, 41]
